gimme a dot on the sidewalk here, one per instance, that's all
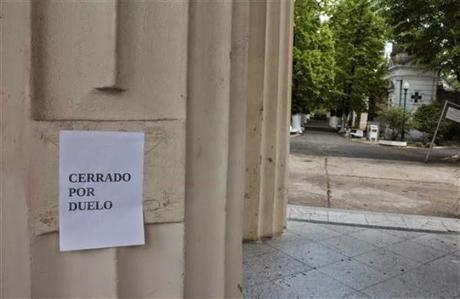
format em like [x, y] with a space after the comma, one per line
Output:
[325, 260]
[373, 219]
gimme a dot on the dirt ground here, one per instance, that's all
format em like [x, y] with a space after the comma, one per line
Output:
[375, 185]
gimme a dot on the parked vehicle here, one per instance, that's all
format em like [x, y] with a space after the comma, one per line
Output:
[373, 132]
[357, 133]
[295, 131]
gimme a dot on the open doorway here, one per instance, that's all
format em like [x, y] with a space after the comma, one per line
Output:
[367, 217]
[367, 102]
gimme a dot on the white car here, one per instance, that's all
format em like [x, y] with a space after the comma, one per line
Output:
[295, 131]
[357, 133]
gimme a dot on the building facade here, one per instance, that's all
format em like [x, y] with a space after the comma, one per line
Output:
[422, 82]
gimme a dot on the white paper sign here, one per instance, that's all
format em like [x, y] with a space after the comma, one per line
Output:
[100, 189]
[453, 114]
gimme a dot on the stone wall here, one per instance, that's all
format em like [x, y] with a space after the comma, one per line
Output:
[183, 72]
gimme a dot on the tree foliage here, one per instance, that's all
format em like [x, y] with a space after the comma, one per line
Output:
[313, 58]
[359, 33]
[426, 119]
[338, 56]
[429, 30]
[378, 91]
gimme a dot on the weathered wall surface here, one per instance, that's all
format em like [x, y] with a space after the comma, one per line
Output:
[92, 66]
[183, 72]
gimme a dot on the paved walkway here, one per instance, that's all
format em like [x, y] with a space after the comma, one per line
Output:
[321, 143]
[374, 219]
[315, 260]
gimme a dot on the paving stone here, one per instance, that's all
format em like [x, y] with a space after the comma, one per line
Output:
[404, 234]
[348, 218]
[306, 214]
[376, 237]
[252, 249]
[354, 274]
[386, 220]
[457, 254]
[441, 242]
[267, 267]
[344, 229]
[348, 246]
[314, 284]
[267, 290]
[314, 254]
[314, 231]
[426, 223]
[270, 272]
[396, 288]
[291, 224]
[356, 295]
[453, 226]
[440, 277]
[287, 240]
[453, 237]
[451, 261]
[416, 251]
[387, 262]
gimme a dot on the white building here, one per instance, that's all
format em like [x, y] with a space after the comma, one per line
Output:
[422, 83]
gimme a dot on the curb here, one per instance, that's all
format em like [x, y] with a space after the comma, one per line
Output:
[369, 219]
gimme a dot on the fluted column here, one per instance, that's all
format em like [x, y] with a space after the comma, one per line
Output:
[269, 145]
[237, 149]
[284, 110]
[255, 108]
[209, 69]
[14, 114]
[268, 110]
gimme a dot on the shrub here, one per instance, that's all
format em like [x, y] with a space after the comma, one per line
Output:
[426, 120]
[393, 119]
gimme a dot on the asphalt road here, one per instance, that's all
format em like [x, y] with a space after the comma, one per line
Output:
[323, 143]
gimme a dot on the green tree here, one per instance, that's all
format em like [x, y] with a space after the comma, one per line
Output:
[426, 120]
[429, 30]
[313, 58]
[378, 91]
[393, 118]
[359, 34]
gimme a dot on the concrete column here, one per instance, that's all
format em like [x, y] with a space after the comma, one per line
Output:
[268, 113]
[255, 108]
[237, 146]
[209, 71]
[269, 144]
[284, 109]
[14, 237]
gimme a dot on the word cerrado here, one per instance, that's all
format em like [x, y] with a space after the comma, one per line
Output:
[79, 192]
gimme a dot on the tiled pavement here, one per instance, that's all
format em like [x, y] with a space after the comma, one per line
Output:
[312, 260]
